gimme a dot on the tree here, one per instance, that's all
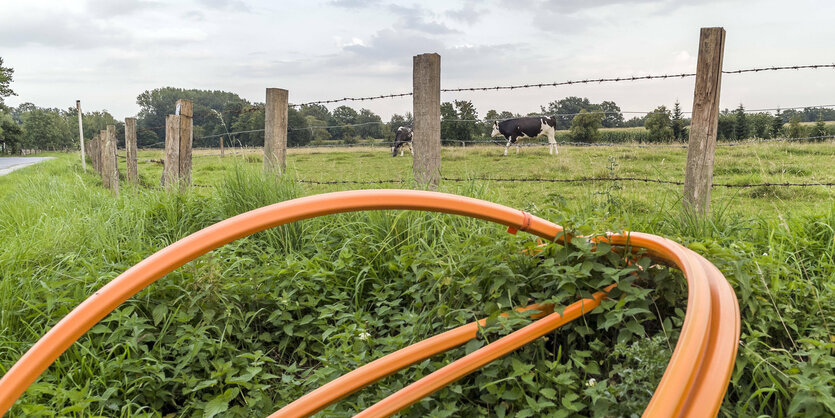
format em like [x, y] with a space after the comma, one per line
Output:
[741, 126]
[11, 135]
[371, 125]
[795, 130]
[155, 104]
[820, 128]
[5, 80]
[677, 122]
[45, 129]
[612, 117]
[585, 126]
[317, 128]
[456, 120]
[318, 111]
[566, 108]
[342, 115]
[777, 125]
[297, 133]
[760, 124]
[659, 125]
[725, 128]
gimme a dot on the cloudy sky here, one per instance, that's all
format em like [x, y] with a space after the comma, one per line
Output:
[106, 52]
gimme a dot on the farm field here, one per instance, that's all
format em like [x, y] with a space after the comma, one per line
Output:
[255, 324]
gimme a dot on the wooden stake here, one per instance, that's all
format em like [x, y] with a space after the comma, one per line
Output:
[698, 176]
[171, 167]
[130, 151]
[426, 87]
[81, 136]
[110, 166]
[186, 112]
[275, 131]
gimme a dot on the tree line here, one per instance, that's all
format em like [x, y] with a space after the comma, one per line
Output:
[225, 116]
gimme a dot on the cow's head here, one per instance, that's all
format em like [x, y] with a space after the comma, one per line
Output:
[394, 150]
[496, 131]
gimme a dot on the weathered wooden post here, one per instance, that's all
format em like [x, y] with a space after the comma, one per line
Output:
[698, 176]
[91, 151]
[171, 164]
[130, 151]
[275, 131]
[101, 155]
[221, 146]
[81, 136]
[426, 102]
[110, 167]
[185, 110]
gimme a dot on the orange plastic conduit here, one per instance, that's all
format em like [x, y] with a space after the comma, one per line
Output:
[685, 388]
[359, 378]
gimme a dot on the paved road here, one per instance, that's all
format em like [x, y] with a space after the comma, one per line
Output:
[9, 164]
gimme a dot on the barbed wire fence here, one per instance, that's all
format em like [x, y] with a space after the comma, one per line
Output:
[602, 80]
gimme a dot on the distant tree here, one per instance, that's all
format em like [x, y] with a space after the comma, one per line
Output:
[45, 129]
[741, 126]
[795, 130]
[317, 128]
[6, 74]
[760, 125]
[585, 126]
[318, 111]
[725, 128]
[777, 125]
[820, 128]
[343, 115]
[612, 116]
[566, 108]
[155, 104]
[635, 122]
[371, 124]
[659, 125]
[298, 134]
[677, 122]
[11, 135]
[456, 120]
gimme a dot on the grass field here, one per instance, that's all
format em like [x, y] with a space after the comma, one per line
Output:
[259, 322]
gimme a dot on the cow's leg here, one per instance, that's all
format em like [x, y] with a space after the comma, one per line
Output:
[552, 142]
[517, 146]
[509, 141]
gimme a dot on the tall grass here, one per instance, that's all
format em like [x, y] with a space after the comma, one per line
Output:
[257, 323]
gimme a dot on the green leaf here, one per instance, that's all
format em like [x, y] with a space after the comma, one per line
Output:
[159, 313]
[220, 403]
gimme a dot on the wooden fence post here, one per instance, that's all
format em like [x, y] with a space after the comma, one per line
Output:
[698, 176]
[426, 103]
[185, 110]
[275, 131]
[130, 151]
[171, 164]
[92, 152]
[102, 140]
[110, 166]
[81, 136]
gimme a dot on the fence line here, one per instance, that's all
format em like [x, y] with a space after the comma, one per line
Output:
[574, 180]
[569, 82]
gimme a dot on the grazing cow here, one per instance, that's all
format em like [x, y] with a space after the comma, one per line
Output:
[402, 139]
[528, 127]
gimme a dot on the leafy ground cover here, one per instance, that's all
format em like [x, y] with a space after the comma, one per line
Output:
[259, 322]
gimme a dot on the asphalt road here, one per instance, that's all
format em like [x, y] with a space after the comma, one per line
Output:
[9, 164]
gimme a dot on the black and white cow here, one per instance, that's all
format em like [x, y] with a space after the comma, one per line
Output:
[402, 139]
[527, 127]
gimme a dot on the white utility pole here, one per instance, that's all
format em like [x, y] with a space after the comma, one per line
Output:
[81, 136]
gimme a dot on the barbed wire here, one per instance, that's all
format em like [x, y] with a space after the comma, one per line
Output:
[574, 180]
[570, 82]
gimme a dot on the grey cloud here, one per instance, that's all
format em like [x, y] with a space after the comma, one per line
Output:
[354, 4]
[415, 18]
[233, 5]
[468, 14]
[58, 30]
[195, 16]
[102, 8]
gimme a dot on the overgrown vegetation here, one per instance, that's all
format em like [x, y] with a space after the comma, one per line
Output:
[261, 321]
